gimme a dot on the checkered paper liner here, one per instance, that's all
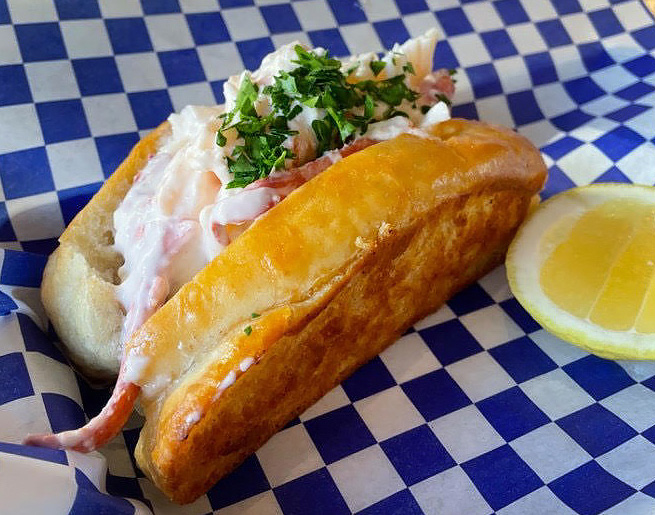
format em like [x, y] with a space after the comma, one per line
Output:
[476, 409]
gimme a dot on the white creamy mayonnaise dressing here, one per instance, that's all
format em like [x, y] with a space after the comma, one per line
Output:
[179, 214]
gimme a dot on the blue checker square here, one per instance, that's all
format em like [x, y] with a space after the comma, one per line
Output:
[599, 377]
[16, 382]
[314, 493]
[468, 111]
[36, 341]
[566, 6]
[612, 175]
[62, 120]
[594, 56]
[25, 172]
[571, 120]
[501, 476]
[181, 67]
[649, 489]
[391, 32]
[522, 318]
[128, 35]
[557, 182]
[14, 88]
[444, 57]
[150, 108]
[450, 341]
[541, 68]
[454, 21]
[554, 33]
[227, 4]
[40, 41]
[470, 299]
[596, 429]
[339, 433]
[499, 43]
[590, 489]
[619, 142]
[346, 12]
[635, 91]
[123, 486]
[523, 359]
[512, 413]
[45, 246]
[401, 503]
[485, 80]
[561, 147]
[72, 200]
[246, 480]
[645, 37]
[253, 51]
[331, 40]
[524, 107]
[88, 499]
[6, 230]
[22, 269]
[77, 9]
[39, 453]
[626, 113]
[369, 379]
[650, 432]
[97, 75]
[113, 149]
[160, 6]
[63, 413]
[417, 455]
[511, 11]
[411, 6]
[207, 28]
[641, 66]
[7, 304]
[583, 90]
[4, 13]
[280, 18]
[605, 22]
[435, 394]
[217, 89]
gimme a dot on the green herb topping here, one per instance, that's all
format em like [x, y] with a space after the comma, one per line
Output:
[248, 330]
[316, 82]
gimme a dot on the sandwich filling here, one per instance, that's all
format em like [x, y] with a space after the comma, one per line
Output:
[223, 167]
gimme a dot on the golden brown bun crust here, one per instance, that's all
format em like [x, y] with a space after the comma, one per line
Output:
[338, 271]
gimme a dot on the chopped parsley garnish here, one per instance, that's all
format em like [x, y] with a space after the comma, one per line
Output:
[248, 330]
[316, 82]
[255, 315]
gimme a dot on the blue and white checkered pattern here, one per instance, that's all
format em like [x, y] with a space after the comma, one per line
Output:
[477, 409]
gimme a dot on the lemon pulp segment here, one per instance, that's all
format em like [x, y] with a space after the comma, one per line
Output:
[603, 270]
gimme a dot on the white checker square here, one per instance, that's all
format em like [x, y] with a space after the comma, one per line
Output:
[604, 105]
[632, 462]
[140, 72]
[469, 49]
[622, 47]
[540, 133]
[36, 217]
[491, 326]
[408, 358]
[466, 434]
[495, 110]
[550, 452]
[9, 52]
[51, 80]
[637, 504]
[85, 38]
[197, 6]
[288, 455]
[12, 339]
[480, 376]
[290, 37]
[365, 477]
[334, 399]
[643, 123]
[439, 5]
[558, 350]
[638, 370]
[245, 23]
[419, 23]
[513, 73]
[25, 128]
[169, 32]
[592, 5]
[553, 100]
[483, 16]
[443, 314]
[526, 38]
[634, 405]
[11, 245]
[464, 88]
[542, 501]
[29, 302]
[162, 505]
[633, 15]
[568, 62]
[451, 491]
[220, 60]
[314, 15]
[92, 465]
[539, 11]
[584, 164]
[388, 413]
[380, 10]
[51, 376]
[120, 8]
[21, 417]
[556, 394]
[613, 78]
[361, 38]
[199, 93]
[639, 164]
[262, 504]
[118, 458]
[109, 114]
[74, 163]
[580, 28]
[593, 129]
[32, 11]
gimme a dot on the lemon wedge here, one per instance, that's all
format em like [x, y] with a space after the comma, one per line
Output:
[583, 265]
